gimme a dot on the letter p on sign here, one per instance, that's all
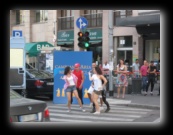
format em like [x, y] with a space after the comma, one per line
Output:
[17, 33]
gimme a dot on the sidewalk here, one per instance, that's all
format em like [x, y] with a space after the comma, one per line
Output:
[137, 100]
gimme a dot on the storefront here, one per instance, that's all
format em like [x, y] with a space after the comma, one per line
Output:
[33, 52]
[148, 27]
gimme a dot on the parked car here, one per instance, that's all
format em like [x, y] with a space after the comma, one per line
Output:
[38, 83]
[27, 110]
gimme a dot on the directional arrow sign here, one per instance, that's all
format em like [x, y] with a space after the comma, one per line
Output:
[81, 22]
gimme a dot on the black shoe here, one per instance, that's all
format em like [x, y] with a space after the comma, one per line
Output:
[107, 110]
[93, 111]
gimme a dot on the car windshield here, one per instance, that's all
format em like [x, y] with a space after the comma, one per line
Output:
[40, 74]
[14, 95]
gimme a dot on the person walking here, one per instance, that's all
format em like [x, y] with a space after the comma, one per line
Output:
[143, 74]
[151, 77]
[97, 78]
[135, 69]
[102, 96]
[70, 87]
[91, 88]
[80, 75]
[121, 78]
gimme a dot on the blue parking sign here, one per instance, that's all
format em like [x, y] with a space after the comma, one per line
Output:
[17, 33]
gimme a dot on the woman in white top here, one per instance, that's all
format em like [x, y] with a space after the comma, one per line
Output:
[121, 78]
[70, 87]
[97, 78]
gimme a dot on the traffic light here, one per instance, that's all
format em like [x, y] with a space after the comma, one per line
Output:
[83, 39]
[87, 39]
[80, 39]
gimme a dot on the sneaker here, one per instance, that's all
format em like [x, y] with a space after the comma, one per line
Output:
[151, 93]
[93, 110]
[145, 93]
[83, 110]
[68, 110]
[107, 110]
[96, 113]
[101, 108]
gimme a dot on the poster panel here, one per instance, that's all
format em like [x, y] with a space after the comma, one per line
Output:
[63, 59]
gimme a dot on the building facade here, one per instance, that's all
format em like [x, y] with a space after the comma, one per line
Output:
[58, 27]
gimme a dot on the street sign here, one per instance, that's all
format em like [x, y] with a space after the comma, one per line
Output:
[81, 22]
[17, 33]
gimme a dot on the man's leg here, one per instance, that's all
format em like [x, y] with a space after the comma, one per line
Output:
[80, 94]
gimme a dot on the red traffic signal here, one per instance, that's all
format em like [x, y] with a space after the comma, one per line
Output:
[80, 34]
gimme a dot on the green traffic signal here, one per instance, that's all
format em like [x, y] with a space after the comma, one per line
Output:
[86, 44]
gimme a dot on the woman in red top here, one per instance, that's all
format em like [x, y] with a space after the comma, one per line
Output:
[80, 75]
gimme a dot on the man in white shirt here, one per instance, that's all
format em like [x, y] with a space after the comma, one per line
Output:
[135, 69]
[106, 68]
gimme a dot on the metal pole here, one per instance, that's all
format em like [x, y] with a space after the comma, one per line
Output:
[110, 51]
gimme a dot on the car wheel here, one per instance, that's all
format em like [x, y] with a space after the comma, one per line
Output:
[24, 93]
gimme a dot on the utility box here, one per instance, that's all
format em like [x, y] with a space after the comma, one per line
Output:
[136, 85]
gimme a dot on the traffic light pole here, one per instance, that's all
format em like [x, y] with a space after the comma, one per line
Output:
[110, 51]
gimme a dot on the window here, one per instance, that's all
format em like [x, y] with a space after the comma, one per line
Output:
[94, 17]
[41, 15]
[67, 13]
[125, 41]
[19, 16]
[67, 20]
[121, 14]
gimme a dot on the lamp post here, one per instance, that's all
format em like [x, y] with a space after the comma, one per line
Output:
[110, 26]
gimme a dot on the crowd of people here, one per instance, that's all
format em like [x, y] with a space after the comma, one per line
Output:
[99, 76]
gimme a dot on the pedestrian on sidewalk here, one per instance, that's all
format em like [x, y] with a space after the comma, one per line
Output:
[70, 87]
[151, 76]
[97, 78]
[135, 69]
[143, 73]
[121, 78]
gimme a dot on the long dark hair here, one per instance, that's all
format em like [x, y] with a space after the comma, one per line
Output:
[67, 70]
[120, 62]
[98, 70]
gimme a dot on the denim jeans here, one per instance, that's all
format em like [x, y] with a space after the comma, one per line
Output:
[144, 82]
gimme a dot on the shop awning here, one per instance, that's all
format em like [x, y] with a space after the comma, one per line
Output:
[138, 20]
[33, 48]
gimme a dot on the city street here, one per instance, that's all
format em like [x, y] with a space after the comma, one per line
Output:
[118, 113]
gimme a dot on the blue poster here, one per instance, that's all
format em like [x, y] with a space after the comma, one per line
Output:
[63, 59]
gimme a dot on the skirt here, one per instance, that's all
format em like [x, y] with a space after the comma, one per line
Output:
[121, 80]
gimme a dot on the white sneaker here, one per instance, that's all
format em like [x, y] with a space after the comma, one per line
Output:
[83, 110]
[101, 108]
[96, 113]
[68, 110]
